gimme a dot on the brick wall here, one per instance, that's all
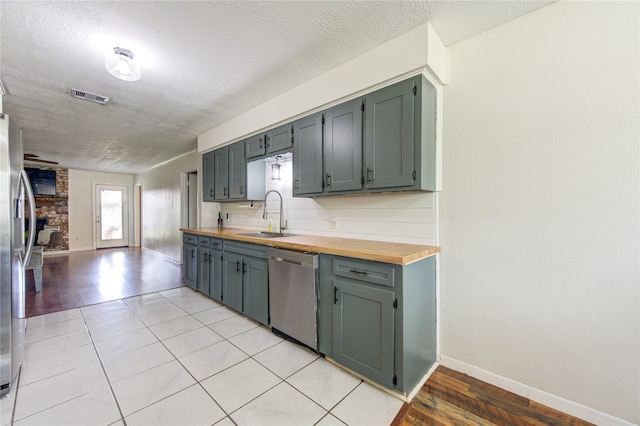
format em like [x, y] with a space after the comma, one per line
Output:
[56, 209]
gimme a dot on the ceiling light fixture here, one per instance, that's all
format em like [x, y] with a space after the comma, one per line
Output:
[122, 65]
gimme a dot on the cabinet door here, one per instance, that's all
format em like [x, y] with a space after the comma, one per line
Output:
[189, 255]
[256, 289]
[389, 136]
[221, 170]
[307, 155]
[363, 330]
[279, 138]
[215, 274]
[254, 146]
[343, 147]
[237, 172]
[204, 256]
[232, 281]
[208, 176]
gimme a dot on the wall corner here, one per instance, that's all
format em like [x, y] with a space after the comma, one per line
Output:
[437, 56]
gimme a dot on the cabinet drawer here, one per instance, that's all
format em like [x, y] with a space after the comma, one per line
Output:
[371, 272]
[204, 242]
[246, 249]
[216, 243]
[190, 239]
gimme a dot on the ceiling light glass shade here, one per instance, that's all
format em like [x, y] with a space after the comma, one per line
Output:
[275, 171]
[122, 65]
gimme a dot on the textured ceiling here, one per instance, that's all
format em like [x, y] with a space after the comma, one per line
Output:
[202, 63]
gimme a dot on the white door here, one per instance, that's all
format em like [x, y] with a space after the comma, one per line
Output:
[112, 228]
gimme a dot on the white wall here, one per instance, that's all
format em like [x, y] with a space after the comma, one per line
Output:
[404, 55]
[161, 205]
[540, 208]
[81, 205]
[400, 217]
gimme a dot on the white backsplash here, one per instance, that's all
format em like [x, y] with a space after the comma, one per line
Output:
[396, 217]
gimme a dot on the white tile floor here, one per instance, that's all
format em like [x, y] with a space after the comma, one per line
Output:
[179, 358]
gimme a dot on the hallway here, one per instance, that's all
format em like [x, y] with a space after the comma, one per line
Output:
[89, 277]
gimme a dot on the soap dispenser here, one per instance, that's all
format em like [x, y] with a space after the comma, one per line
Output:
[270, 224]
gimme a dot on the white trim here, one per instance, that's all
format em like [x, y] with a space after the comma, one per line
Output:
[55, 253]
[558, 403]
[163, 256]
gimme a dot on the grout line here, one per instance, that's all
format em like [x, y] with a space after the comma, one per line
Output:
[104, 371]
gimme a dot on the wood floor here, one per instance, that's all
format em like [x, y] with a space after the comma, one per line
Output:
[452, 398]
[95, 276]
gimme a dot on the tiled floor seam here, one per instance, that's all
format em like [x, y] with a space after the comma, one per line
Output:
[104, 371]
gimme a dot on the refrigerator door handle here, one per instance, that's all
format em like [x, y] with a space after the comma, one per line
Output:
[24, 181]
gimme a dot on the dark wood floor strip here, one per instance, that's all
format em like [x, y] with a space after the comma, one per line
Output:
[449, 397]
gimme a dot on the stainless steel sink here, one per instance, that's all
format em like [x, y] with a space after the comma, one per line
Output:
[264, 234]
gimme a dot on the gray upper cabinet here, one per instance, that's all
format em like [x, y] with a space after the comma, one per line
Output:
[237, 172]
[389, 136]
[271, 142]
[208, 178]
[343, 147]
[221, 173]
[388, 147]
[255, 146]
[400, 136]
[307, 155]
[228, 167]
[279, 139]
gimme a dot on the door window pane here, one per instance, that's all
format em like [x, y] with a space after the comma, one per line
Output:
[111, 214]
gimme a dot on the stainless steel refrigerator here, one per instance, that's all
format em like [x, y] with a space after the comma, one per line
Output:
[17, 205]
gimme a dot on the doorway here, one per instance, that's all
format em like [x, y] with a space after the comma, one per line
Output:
[112, 213]
[189, 197]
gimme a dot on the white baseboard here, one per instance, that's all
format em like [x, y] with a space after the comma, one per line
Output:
[164, 256]
[573, 408]
[55, 253]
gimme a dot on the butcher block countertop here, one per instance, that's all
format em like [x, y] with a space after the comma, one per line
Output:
[381, 251]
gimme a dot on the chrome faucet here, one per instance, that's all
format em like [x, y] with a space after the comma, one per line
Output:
[264, 211]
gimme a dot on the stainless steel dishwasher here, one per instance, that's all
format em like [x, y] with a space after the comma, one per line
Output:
[293, 294]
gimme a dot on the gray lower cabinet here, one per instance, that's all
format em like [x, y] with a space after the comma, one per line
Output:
[202, 265]
[189, 259]
[215, 270]
[232, 280]
[209, 267]
[363, 326]
[245, 277]
[379, 319]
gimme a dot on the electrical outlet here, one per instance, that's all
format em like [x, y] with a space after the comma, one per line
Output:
[333, 222]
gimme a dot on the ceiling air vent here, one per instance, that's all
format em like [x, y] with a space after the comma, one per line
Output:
[91, 97]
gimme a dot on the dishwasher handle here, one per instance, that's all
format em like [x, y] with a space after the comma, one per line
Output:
[294, 258]
[282, 259]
